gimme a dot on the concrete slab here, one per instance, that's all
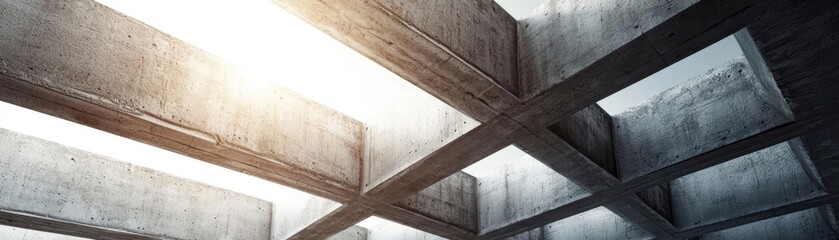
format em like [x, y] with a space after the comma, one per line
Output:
[598, 223]
[807, 224]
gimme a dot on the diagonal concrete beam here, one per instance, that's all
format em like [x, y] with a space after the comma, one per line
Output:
[575, 143]
[50, 187]
[140, 83]
[717, 150]
[89, 64]
[470, 65]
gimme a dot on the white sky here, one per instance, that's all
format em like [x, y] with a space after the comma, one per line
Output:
[274, 46]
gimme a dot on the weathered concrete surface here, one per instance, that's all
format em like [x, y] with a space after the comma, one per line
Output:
[590, 132]
[598, 223]
[86, 63]
[463, 52]
[522, 189]
[759, 181]
[556, 153]
[352, 233]
[292, 215]
[807, 224]
[452, 200]
[704, 113]
[26, 234]
[51, 181]
[385, 230]
[412, 125]
[573, 53]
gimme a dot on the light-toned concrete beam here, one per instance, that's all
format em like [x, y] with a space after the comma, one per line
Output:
[86, 63]
[54, 188]
[470, 65]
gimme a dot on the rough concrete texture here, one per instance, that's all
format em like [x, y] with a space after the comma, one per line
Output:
[7, 232]
[556, 42]
[807, 224]
[590, 132]
[721, 107]
[427, 51]
[598, 223]
[49, 180]
[774, 174]
[292, 215]
[521, 189]
[352, 233]
[81, 61]
[406, 129]
[452, 201]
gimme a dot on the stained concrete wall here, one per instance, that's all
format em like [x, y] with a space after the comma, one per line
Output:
[406, 129]
[7, 232]
[522, 188]
[807, 224]
[56, 182]
[84, 62]
[704, 113]
[759, 181]
[598, 223]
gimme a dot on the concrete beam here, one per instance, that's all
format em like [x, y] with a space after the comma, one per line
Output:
[663, 171]
[89, 64]
[54, 188]
[470, 65]
[598, 223]
[763, 180]
[721, 107]
[140, 83]
[521, 189]
[452, 201]
[385, 230]
[807, 224]
[582, 138]
[573, 53]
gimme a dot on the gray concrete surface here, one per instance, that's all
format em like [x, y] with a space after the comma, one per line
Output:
[807, 224]
[51, 181]
[352, 233]
[709, 111]
[521, 189]
[730, 190]
[598, 223]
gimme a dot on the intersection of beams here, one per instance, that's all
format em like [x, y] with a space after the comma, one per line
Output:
[532, 83]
